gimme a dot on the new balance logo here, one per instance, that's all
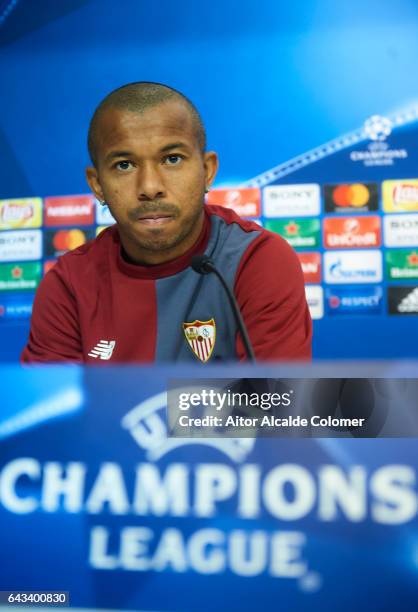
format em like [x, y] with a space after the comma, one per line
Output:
[103, 349]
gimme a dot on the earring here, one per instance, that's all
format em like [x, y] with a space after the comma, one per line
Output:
[102, 202]
[207, 190]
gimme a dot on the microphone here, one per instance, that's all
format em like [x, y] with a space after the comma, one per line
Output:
[202, 264]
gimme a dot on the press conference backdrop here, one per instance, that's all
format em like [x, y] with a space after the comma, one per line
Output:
[314, 114]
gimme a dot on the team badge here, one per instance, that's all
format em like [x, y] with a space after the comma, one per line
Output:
[201, 338]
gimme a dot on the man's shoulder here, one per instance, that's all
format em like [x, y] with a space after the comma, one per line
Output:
[229, 217]
[263, 239]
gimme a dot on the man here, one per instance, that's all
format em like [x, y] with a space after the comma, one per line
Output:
[130, 294]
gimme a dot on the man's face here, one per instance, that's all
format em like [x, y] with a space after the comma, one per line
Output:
[152, 174]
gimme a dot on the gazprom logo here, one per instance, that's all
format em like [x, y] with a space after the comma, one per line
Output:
[353, 267]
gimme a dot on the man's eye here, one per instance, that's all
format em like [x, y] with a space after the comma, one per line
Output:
[173, 160]
[123, 165]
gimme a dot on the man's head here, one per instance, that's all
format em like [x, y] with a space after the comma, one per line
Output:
[147, 145]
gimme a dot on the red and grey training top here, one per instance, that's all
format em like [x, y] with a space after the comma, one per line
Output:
[94, 307]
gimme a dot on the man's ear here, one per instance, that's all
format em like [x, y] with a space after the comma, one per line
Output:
[211, 167]
[94, 184]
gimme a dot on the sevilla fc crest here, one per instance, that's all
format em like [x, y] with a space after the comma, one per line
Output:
[201, 337]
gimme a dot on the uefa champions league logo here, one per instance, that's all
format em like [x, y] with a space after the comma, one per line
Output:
[378, 152]
[147, 424]
[378, 128]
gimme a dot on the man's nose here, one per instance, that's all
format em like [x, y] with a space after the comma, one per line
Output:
[150, 183]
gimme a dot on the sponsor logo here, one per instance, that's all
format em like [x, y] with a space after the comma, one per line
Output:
[20, 276]
[342, 267]
[355, 232]
[16, 214]
[358, 197]
[103, 350]
[401, 264]
[201, 336]
[311, 266]
[69, 210]
[378, 153]
[245, 202]
[103, 214]
[151, 416]
[292, 200]
[403, 300]
[21, 245]
[15, 307]
[58, 242]
[299, 233]
[400, 196]
[378, 127]
[353, 300]
[315, 298]
[400, 230]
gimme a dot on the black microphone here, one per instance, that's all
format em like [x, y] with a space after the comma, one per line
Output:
[202, 264]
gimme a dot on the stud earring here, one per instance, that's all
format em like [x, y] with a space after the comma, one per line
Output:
[207, 190]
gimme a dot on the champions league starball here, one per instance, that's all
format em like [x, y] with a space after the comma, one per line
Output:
[378, 127]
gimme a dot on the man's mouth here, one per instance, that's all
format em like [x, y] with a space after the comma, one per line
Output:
[154, 218]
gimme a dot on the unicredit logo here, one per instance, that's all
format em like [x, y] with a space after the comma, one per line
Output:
[233, 197]
[368, 239]
[352, 232]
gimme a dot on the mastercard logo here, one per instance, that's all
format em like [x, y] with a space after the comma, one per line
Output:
[356, 195]
[67, 240]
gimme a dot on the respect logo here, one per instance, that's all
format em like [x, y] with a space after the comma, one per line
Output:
[15, 306]
[353, 300]
[361, 197]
